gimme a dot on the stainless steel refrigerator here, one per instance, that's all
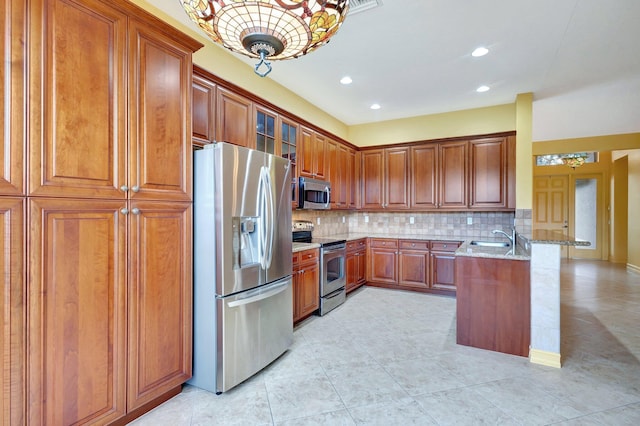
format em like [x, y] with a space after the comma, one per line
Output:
[243, 317]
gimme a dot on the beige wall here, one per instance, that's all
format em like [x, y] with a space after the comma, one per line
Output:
[633, 227]
[524, 173]
[619, 209]
[476, 121]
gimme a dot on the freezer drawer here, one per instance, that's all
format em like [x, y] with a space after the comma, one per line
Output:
[254, 328]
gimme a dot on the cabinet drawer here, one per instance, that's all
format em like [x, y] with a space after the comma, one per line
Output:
[356, 245]
[383, 242]
[445, 245]
[414, 244]
[305, 256]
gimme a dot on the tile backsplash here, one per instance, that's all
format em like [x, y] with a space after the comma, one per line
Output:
[399, 223]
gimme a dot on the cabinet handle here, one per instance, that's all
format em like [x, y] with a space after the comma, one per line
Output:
[135, 188]
[124, 210]
[445, 246]
[135, 210]
[124, 188]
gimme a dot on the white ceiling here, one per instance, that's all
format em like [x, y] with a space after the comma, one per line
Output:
[413, 57]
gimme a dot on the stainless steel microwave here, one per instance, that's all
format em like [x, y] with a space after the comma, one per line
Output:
[314, 194]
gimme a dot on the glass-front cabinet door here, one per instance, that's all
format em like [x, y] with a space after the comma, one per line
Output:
[289, 149]
[265, 131]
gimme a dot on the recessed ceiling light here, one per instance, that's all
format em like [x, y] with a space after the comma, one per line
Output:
[482, 89]
[480, 51]
[375, 106]
[346, 80]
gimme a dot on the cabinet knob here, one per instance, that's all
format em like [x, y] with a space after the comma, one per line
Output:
[124, 188]
[445, 246]
[413, 244]
[135, 210]
[124, 210]
[135, 188]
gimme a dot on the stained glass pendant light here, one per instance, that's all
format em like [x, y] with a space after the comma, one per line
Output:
[268, 29]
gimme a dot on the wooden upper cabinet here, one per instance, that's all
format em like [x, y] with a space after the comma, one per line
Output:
[78, 99]
[372, 179]
[160, 110]
[76, 362]
[453, 174]
[488, 173]
[333, 171]
[13, 310]
[385, 178]
[267, 133]
[159, 299]
[424, 177]
[289, 149]
[396, 181]
[353, 173]
[203, 110]
[234, 119]
[313, 154]
[12, 98]
[345, 181]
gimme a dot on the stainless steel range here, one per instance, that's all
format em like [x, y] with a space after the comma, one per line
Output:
[333, 253]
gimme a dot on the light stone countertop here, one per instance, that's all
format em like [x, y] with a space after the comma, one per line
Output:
[466, 249]
[550, 236]
[304, 246]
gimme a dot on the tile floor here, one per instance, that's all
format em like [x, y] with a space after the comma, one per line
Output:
[390, 358]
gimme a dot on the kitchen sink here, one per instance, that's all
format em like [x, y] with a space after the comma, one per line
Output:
[489, 244]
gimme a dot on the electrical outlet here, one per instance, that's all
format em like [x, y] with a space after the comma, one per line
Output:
[412, 220]
[318, 221]
[469, 221]
[344, 219]
[366, 219]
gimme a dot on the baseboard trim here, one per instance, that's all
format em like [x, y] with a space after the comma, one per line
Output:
[550, 359]
[634, 268]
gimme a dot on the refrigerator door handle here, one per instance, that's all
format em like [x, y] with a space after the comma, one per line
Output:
[261, 295]
[269, 217]
[262, 231]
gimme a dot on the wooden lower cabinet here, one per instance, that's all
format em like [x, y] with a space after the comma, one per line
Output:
[356, 264]
[443, 262]
[383, 261]
[412, 264]
[306, 282]
[110, 307]
[493, 304]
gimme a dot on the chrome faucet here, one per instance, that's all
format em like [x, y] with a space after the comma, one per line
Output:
[511, 238]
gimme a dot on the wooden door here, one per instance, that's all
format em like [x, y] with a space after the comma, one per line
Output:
[345, 177]
[413, 268]
[159, 299]
[361, 276]
[332, 169]
[351, 268]
[396, 178]
[488, 173]
[353, 174]
[551, 205]
[203, 110]
[12, 98]
[443, 270]
[76, 362]
[372, 179]
[13, 311]
[453, 175]
[160, 110]
[308, 297]
[234, 119]
[424, 183]
[383, 265]
[77, 102]
[306, 152]
[320, 157]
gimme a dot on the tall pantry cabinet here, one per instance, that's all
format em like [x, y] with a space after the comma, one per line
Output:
[101, 319]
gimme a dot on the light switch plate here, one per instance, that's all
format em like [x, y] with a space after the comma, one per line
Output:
[469, 221]
[318, 221]
[366, 219]
[412, 220]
